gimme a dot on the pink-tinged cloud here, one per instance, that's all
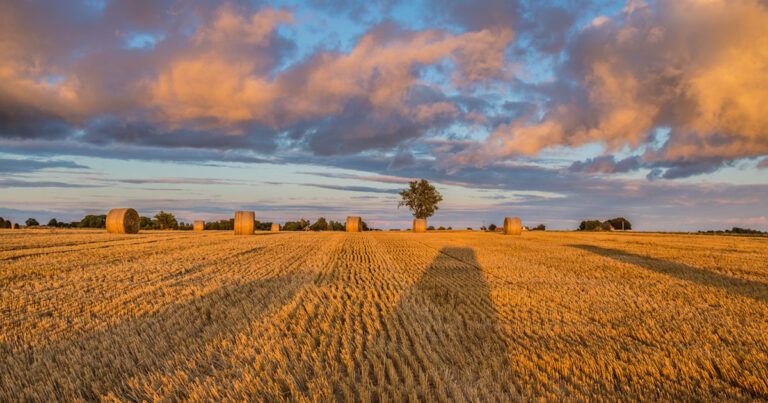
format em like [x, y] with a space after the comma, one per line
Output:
[696, 67]
[188, 181]
[761, 221]
[213, 82]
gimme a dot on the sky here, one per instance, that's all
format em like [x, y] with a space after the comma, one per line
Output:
[554, 111]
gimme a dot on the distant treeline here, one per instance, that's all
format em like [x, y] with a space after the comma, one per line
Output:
[5, 223]
[89, 221]
[322, 224]
[735, 230]
[492, 228]
[167, 221]
[618, 223]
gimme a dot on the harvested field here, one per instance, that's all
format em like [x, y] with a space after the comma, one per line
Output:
[382, 316]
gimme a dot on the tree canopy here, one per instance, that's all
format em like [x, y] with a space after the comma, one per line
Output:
[618, 223]
[166, 220]
[320, 225]
[421, 197]
[94, 221]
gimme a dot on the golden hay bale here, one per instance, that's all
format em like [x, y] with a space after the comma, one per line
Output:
[512, 226]
[275, 227]
[199, 225]
[354, 224]
[123, 221]
[419, 225]
[244, 221]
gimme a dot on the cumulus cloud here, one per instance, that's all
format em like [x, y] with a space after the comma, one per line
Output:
[695, 67]
[214, 77]
[378, 73]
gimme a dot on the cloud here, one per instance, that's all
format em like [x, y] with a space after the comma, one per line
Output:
[761, 221]
[477, 15]
[13, 183]
[365, 189]
[189, 181]
[674, 169]
[377, 178]
[27, 122]
[606, 164]
[105, 130]
[214, 78]
[691, 66]
[403, 159]
[543, 26]
[373, 79]
[131, 152]
[684, 169]
[357, 10]
[30, 165]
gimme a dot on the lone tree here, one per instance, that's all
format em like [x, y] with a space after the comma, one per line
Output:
[31, 222]
[421, 198]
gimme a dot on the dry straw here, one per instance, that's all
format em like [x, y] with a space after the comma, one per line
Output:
[512, 226]
[275, 227]
[244, 221]
[123, 221]
[199, 225]
[419, 225]
[354, 224]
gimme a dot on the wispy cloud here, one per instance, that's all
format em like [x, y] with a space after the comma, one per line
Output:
[365, 189]
[190, 181]
[31, 165]
[13, 183]
[371, 178]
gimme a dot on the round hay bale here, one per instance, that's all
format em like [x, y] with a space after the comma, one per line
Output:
[419, 225]
[354, 224]
[244, 221]
[512, 226]
[123, 221]
[275, 227]
[199, 225]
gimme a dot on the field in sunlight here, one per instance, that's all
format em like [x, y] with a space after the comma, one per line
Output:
[382, 316]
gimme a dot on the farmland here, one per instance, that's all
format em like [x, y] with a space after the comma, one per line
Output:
[382, 316]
